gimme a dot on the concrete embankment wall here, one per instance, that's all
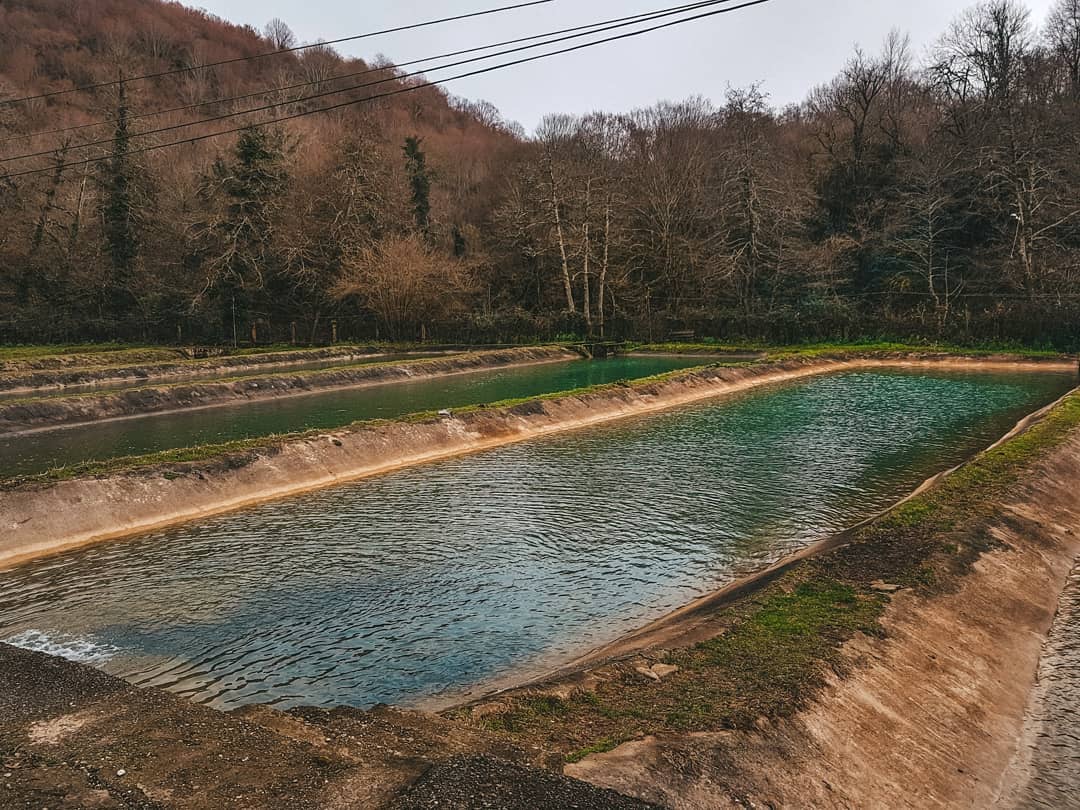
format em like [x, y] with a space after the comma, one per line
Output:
[40, 519]
[31, 381]
[26, 415]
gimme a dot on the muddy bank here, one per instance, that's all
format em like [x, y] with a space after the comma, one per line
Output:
[74, 737]
[32, 383]
[39, 518]
[34, 414]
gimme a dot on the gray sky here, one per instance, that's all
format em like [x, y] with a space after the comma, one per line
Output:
[788, 45]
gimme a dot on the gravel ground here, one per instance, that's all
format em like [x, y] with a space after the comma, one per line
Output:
[485, 783]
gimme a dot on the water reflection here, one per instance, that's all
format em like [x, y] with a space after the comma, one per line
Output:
[437, 577]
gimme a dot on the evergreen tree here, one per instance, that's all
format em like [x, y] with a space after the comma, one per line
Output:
[119, 216]
[248, 190]
[420, 181]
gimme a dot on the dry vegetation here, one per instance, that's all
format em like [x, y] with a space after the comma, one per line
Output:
[933, 197]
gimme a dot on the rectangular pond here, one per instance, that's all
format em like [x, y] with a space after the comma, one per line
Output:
[440, 577]
[37, 452]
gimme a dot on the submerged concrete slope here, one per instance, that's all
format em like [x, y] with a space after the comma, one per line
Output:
[20, 416]
[37, 519]
[929, 716]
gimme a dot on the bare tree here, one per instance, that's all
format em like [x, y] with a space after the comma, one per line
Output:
[928, 231]
[554, 134]
[279, 34]
[404, 282]
[1062, 37]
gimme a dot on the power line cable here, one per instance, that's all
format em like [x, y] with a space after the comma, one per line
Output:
[275, 105]
[643, 17]
[234, 60]
[400, 91]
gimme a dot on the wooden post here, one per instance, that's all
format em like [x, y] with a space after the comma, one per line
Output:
[333, 331]
[294, 333]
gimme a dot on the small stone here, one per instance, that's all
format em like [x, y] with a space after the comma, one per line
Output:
[488, 710]
[121, 772]
[663, 670]
[445, 414]
[884, 587]
[648, 673]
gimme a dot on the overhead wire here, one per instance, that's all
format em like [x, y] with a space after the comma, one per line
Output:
[266, 54]
[644, 16]
[408, 89]
[389, 79]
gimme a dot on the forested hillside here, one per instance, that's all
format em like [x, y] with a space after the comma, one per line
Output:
[932, 195]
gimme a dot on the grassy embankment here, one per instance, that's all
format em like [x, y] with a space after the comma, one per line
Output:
[776, 645]
[245, 377]
[811, 350]
[98, 356]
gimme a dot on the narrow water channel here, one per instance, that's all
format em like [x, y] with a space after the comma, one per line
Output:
[37, 452]
[439, 577]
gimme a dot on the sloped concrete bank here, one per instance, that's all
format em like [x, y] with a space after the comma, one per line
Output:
[31, 382]
[928, 715]
[40, 518]
[21, 416]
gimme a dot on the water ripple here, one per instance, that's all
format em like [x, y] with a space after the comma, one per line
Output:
[441, 576]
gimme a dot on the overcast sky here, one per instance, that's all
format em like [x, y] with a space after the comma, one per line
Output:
[788, 45]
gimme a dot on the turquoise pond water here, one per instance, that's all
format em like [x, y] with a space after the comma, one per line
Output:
[435, 579]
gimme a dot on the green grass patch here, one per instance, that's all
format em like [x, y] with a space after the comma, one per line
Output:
[598, 747]
[887, 347]
[774, 352]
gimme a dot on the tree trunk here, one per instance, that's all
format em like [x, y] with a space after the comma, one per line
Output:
[568, 286]
[586, 303]
[604, 266]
